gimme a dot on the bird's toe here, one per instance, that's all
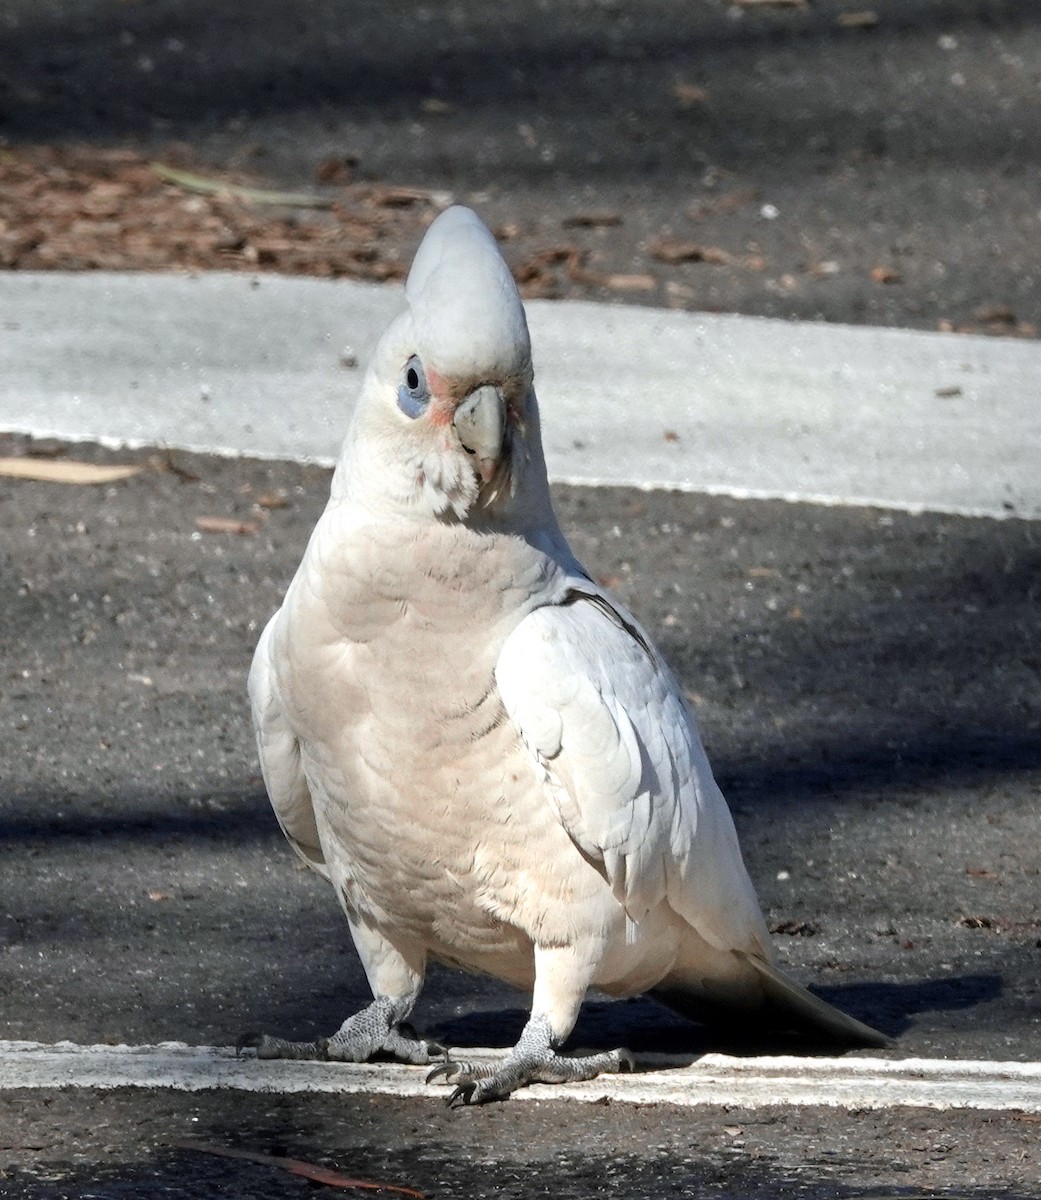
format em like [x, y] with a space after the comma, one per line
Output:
[265, 1046]
[406, 1047]
[462, 1095]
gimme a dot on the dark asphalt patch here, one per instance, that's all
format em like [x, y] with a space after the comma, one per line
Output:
[867, 683]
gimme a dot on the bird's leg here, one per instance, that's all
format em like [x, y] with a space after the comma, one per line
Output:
[395, 974]
[376, 1031]
[534, 1059]
[562, 976]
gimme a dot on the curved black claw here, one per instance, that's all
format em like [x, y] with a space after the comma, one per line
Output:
[248, 1041]
[445, 1068]
[462, 1095]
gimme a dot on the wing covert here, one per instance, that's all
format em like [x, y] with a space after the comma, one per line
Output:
[624, 766]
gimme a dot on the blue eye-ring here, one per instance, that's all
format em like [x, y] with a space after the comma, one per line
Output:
[413, 393]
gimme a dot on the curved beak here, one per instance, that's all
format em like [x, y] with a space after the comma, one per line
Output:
[480, 422]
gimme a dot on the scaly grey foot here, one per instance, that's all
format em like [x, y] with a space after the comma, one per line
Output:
[532, 1060]
[373, 1032]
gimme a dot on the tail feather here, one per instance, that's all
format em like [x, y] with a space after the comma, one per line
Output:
[810, 1012]
[763, 998]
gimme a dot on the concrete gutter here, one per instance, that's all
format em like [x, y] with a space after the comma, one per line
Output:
[659, 399]
[714, 1079]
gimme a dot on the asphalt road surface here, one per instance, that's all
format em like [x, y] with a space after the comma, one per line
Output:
[836, 167]
[867, 683]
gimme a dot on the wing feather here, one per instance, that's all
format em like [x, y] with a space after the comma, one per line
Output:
[279, 752]
[604, 719]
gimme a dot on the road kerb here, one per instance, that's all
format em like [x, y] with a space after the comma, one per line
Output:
[713, 1079]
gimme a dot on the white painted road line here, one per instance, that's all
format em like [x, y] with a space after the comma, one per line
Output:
[652, 398]
[714, 1079]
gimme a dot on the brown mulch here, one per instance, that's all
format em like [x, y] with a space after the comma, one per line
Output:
[88, 208]
[83, 208]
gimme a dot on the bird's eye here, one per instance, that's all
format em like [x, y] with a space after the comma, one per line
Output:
[413, 393]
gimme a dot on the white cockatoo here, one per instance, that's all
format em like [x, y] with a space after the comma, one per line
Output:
[474, 743]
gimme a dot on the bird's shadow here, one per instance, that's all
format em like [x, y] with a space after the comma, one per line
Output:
[646, 1027]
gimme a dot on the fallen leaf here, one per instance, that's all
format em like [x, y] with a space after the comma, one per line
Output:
[218, 187]
[164, 461]
[591, 220]
[64, 471]
[403, 197]
[1001, 314]
[671, 435]
[271, 500]
[679, 252]
[689, 94]
[886, 275]
[297, 1166]
[630, 283]
[159, 897]
[335, 169]
[104, 199]
[976, 923]
[979, 873]
[997, 321]
[864, 19]
[226, 525]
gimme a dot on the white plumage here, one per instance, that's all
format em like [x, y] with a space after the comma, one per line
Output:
[476, 745]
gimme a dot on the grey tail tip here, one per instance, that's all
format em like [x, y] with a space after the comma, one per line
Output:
[811, 1013]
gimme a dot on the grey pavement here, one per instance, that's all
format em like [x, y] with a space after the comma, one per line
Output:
[866, 678]
[817, 147]
[867, 682]
[114, 1145]
[630, 396]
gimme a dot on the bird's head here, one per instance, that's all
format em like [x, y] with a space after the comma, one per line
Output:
[447, 423]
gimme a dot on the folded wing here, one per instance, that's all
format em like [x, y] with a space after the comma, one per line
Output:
[625, 768]
[280, 761]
